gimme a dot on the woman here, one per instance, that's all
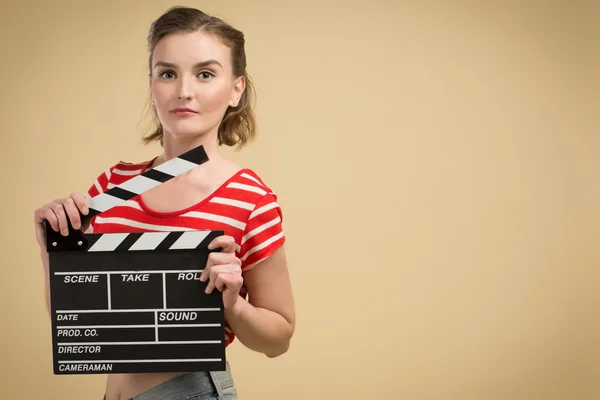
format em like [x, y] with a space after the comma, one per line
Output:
[201, 96]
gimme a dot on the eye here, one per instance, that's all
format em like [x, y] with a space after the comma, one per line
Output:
[167, 74]
[206, 74]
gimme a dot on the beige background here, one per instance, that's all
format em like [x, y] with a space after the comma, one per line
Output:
[437, 166]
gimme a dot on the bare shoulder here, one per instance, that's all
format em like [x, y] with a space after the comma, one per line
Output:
[213, 175]
[230, 167]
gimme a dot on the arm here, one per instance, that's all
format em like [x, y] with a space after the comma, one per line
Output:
[266, 322]
[45, 264]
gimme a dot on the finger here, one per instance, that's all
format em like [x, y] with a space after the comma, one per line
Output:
[228, 280]
[222, 280]
[209, 286]
[206, 271]
[214, 274]
[45, 213]
[225, 242]
[40, 229]
[211, 276]
[39, 214]
[48, 215]
[73, 212]
[61, 216]
[81, 202]
[222, 258]
[210, 261]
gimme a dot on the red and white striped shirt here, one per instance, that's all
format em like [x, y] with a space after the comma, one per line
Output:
[243, 207]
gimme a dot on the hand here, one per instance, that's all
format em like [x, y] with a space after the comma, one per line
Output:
[56, 214]
[224, 271]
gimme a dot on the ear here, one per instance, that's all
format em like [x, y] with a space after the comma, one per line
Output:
[238, 89]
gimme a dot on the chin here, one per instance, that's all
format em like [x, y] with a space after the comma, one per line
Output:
[187, 130]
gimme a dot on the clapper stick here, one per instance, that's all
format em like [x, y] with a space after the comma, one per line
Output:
[123, 192]
[132, 302]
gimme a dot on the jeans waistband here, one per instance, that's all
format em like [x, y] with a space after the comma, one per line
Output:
[189, 385]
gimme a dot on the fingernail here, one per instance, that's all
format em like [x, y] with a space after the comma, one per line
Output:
[85, 210]
[206, 290]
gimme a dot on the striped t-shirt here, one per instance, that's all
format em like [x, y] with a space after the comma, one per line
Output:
[243, 207]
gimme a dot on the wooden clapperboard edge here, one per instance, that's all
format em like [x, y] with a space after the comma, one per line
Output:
[88, 242]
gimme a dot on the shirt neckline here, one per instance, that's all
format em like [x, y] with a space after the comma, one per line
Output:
[167, 214]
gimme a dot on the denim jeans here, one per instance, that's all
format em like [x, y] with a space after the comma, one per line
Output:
[214, 385]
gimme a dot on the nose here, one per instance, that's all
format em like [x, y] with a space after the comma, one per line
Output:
[185, 89]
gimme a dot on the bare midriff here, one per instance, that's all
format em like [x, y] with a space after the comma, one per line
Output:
[126, 386]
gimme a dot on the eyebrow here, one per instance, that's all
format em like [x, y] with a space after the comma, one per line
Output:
[197, 65]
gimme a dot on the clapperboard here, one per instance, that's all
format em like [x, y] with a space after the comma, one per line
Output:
[133, 302]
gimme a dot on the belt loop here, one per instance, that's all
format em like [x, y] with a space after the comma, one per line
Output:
[215, 380]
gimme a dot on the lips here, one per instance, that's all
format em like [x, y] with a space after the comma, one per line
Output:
[183, 112]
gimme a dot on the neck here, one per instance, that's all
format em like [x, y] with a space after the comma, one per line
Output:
[173, 147]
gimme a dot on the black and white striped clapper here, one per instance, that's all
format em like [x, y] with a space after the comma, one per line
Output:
[133, 302]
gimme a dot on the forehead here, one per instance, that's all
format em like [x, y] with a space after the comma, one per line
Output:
[188, 48]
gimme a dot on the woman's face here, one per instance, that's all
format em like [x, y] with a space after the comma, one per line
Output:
[192, 83]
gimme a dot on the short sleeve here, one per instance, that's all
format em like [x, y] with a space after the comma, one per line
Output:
[101, 184]
[263, 233]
